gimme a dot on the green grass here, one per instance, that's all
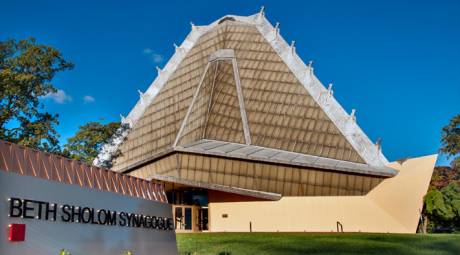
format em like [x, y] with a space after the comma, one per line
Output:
[306, 243]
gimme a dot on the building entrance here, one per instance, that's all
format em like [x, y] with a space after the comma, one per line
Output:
[203, 219]
[190, 218]
[190, 209]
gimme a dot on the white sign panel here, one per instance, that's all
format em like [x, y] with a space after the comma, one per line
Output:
[46, 217]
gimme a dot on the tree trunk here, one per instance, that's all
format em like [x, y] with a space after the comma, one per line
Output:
[425, 224]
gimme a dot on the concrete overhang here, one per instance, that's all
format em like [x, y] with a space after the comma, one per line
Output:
[234, 190]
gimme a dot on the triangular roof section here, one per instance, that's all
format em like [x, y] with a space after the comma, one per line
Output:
[262, 94]
[217, 110]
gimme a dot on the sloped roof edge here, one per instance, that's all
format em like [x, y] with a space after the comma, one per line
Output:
[347, 125]
[218, 187]
[263, 154]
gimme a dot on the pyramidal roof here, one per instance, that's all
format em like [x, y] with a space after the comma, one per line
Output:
[236, 88]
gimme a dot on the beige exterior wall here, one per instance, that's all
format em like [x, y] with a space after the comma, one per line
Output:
[393, 206]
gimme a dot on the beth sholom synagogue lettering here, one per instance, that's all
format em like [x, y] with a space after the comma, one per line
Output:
[33, 209]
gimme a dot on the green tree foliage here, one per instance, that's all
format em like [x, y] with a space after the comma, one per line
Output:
[26, 72]
[451, 140]
[442, 202]
[89, 139]
[64, 252]
[443, 207]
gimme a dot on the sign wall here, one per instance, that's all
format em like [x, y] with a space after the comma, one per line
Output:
[54, 216]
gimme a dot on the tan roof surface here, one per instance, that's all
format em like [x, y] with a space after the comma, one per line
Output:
[208, 169]
[261, 94]
[258, 153]
[216, 113]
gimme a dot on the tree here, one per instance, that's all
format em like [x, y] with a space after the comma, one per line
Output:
[443, 176]
[450, 140]
[442, 202]
[443, 207]
[89, 139]
[26, 72]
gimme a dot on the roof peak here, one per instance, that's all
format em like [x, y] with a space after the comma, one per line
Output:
[371, 153]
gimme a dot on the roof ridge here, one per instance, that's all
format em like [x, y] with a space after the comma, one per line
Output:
[345, 123]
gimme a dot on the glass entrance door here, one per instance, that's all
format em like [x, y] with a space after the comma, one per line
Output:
[178, 217]
[183, 217]
[203, 219]
[188, 218]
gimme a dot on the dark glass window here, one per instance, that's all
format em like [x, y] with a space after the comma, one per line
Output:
[188, 218]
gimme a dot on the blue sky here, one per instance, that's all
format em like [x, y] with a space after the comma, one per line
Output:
[396, 62]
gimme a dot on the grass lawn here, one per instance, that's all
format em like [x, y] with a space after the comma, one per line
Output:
[306, 243]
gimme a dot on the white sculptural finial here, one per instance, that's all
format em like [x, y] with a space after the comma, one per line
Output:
[378, 144]
[330, 92]
[353, 115]
[262, 11]
[293, 47]
[310, 66]
[277, 29]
